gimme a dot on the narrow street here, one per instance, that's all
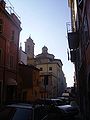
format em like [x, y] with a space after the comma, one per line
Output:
[45, 60]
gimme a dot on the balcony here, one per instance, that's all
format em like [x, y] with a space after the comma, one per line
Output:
[75, 56]
[73, 40]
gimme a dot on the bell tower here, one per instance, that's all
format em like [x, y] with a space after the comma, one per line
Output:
[29, 48]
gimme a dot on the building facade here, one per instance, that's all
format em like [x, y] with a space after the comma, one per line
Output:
[9, 46]
[28, 83]
[79, 44]
[52, 79]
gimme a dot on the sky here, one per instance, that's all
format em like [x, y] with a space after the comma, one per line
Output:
[45, 21]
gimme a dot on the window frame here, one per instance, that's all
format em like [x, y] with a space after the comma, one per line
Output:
[0, 55]
[13, 35]
[11, 61]
[1, 26]
[41, 69]
[50, 68]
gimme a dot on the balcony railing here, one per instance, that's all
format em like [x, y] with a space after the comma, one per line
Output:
[80, 3]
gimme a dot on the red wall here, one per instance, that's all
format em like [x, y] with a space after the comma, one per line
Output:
[9, 47]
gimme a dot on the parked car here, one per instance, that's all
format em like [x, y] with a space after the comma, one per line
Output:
[22, 112]
[49, 102]
[65, 99]
[57, 102]
[63, 112]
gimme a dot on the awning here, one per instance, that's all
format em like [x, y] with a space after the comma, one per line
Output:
[11, 81]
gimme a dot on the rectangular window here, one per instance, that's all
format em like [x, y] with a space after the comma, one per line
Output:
[41, 69]
[1, 26]
[0, 90]
[13, 35]
[11, 61]
[46, 80]
[24, 95]
[50, 68]
[0, 55]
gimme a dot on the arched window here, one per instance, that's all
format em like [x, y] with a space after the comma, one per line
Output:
[1, 26]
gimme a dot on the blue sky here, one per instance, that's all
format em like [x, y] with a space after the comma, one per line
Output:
[45, 21]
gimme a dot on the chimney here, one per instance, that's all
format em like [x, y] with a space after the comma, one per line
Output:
[2, 3]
